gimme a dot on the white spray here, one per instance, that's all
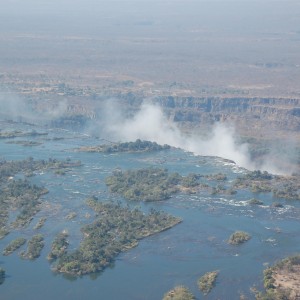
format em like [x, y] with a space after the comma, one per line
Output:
[149, 123]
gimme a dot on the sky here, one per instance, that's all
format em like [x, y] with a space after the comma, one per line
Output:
[225, 15]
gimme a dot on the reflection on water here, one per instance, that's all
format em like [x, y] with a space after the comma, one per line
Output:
[177, 256]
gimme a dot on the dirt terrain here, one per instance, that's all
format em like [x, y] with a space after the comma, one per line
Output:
[290, 280]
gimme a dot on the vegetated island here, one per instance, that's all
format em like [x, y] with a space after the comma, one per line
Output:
[25, 143]
[116, 229]
[207, 281]
[59, 246]
[255, 201]
[179, 293]
[8, 169]
[13, 246]
[239, 237]
[40, 223]
[129, 147]
[281, 281]
[154, 184]
[287, 187]
[17, 133]
[71, 215]
[20, 195]
[150, 184]
[34, 247]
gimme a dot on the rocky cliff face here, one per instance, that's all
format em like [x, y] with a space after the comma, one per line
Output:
[249, 114]
[254, 117]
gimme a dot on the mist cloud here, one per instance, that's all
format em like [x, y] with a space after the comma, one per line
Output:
[13, 107]
[150, 123]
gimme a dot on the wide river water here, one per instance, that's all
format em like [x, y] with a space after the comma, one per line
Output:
[178, 256]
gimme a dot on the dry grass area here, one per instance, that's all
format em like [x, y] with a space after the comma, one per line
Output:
[288, 279]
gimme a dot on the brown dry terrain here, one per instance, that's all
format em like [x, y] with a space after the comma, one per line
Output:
[290, 280]
[178, 48]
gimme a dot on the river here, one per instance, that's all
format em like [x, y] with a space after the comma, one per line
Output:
[178, 256]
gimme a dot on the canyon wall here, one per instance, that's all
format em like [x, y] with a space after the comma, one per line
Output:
[251, 116]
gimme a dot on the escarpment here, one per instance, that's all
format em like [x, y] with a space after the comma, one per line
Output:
[252, 117]
[249, 114]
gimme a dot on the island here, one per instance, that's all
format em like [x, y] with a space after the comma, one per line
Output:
[151, 184]
[129, 147]
[9, 169]
[255, 201]
[22, 196]
[59, 246]
[34, 247]
[179, 293]
[155, 184]
[19, 194]
[207, 281]
[18, 133]
[40, 223]
[239, 237]
[115, 229]
[25, 143]
[13, 246]
[287, 187]
[71, 215]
